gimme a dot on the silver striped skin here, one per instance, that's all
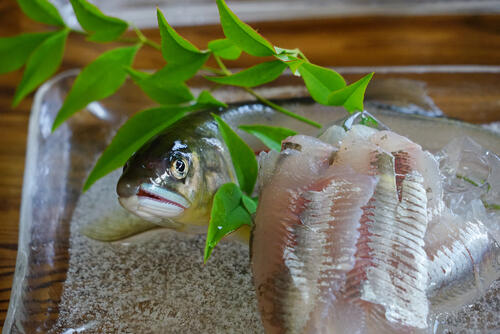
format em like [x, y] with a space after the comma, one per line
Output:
[464, 259]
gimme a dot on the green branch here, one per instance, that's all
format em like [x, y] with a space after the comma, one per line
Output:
[145, 40]
[266, 101]
[281, 109]
[222, 66]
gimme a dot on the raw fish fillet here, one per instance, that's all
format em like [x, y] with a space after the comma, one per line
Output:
[410, 156]
[291, 264]
[336, 247]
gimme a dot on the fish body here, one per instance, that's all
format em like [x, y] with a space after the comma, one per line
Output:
[171, 180]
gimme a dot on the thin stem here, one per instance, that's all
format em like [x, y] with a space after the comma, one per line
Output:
[221, 65]
[266, 101]
[139, 33]
[152, 44]
[213, 70]
[303, 56]
[281, 109]
[146, 40]
[487, 205]
[465, 178]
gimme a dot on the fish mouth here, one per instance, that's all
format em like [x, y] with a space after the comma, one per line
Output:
[154, 203]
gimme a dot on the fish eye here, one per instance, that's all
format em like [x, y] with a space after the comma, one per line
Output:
[179, 168]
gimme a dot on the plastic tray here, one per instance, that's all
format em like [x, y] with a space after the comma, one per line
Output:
[57, 164]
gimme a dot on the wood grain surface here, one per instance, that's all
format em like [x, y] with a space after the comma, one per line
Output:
[353, 41]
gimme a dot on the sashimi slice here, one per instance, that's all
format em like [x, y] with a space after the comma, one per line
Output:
[357, 151]
[409, 156]
[280, 202]
[302, 239]
[391, 268]
[464, 259]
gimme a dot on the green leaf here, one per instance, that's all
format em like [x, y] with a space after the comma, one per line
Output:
[173, 72]
[320, 81]
[242, 156]
[131, 136]
[163, 92]
[228, 214]
[206, 99]
[15, 50]
[42, 64]
[352, 96]
[41, 11]
[100, 79]
[241, 34]
[271, 136]
[253, 76]
[102, 28]
[250, 203]
[294, 66]
[176, 49]
[225, 49]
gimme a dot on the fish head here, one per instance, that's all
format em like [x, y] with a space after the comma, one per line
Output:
[160, 182]
[171, 180]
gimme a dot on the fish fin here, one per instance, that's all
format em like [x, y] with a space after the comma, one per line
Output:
[115, 228]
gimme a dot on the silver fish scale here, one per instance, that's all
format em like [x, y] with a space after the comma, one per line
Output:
[464, 263]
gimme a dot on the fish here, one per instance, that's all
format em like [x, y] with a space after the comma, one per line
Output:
[171, 180]
[356, 239]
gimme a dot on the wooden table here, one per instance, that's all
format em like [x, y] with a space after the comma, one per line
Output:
[356, 41]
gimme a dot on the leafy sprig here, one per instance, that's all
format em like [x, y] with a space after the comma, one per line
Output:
[41, 64]
[43, 52]
[41, 11]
